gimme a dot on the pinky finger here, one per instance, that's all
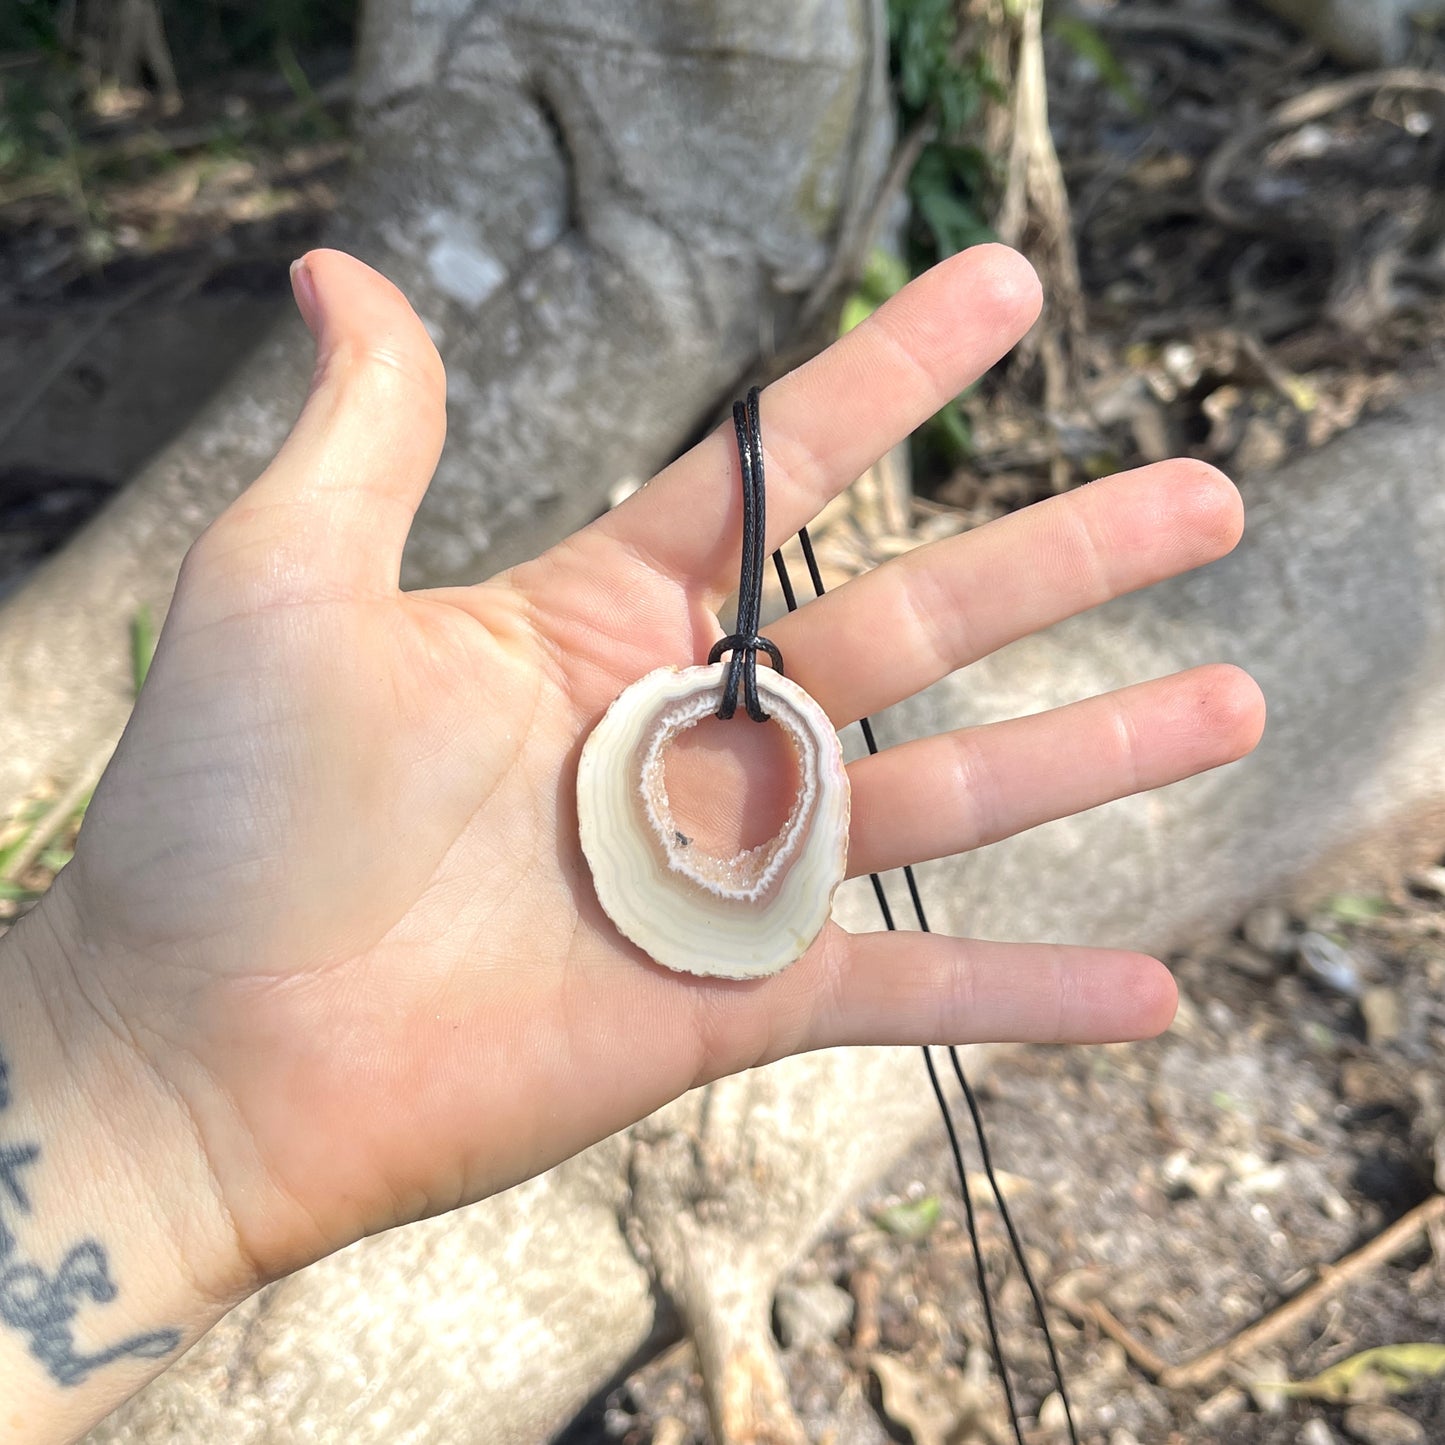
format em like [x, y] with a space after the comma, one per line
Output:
[927, 988]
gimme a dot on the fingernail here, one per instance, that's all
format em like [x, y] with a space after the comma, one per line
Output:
[303, 286]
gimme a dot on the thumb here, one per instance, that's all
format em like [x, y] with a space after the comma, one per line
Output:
[332, 512]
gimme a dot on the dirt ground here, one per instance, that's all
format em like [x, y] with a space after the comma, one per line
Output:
[1191, 1184]
[1263, 254]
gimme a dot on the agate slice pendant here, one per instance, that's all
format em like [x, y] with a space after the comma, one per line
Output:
[744, 916]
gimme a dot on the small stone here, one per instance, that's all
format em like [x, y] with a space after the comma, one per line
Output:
[1250, 961]
[1183, 1175]
[1326, 962]
[1181, 361]
[1264, 1376]
[1186, 1017]
[1268, 929]
[1052, 1415]
[811, 1313]
[1113, 1362]
[1381, 1425]
[1255, 1176]
[1335, 1205]
[1430, 880]
[1221, 1017]
[1220, 1407]
[1316, 1432]
[1364, 1081]
[1121, 1436]
[1381, 1008]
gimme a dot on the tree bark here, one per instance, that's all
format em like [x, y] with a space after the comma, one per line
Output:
[604, 214]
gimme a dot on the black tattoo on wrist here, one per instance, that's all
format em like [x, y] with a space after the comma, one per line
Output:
[43, 1306]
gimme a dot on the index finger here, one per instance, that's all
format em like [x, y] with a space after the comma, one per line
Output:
[827, 422]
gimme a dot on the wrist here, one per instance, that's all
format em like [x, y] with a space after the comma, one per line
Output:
[116, 1251]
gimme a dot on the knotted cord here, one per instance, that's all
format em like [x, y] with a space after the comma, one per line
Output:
[744, 645]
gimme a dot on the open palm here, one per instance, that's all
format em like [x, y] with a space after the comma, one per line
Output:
[331, 885]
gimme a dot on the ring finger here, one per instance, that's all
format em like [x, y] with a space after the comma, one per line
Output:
[964, 789]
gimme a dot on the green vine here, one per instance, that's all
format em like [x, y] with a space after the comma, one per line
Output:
[940, 85]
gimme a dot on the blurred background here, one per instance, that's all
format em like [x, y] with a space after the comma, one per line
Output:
[1238, 211]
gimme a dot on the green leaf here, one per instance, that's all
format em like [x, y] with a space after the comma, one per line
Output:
[923, 36]
[1373, 1374]
[142, 645]
[1087, 43]
[24, 820]
[1356, 907]
[952, 431]
[295, 77]
[884, 274]
[944, 187]
[12, 850]
[953, 222]
[856, 310]
[913, 1220]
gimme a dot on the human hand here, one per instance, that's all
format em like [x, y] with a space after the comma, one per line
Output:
[330, 893]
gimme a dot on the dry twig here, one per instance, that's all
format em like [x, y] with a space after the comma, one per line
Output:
[1333, 1278]
[1189, 23]
[1310, 105]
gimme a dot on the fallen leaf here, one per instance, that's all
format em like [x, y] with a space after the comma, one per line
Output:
[1373, 1374]
[1356, 907]
[914, 1220]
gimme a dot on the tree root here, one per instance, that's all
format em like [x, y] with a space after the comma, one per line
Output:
[1034, 213]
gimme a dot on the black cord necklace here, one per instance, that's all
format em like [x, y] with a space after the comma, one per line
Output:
[745, 645]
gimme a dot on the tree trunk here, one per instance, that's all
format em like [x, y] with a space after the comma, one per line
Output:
[603, 214]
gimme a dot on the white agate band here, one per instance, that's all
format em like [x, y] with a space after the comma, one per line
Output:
[740, 917]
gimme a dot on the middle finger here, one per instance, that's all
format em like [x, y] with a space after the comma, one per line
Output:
[896, 630]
